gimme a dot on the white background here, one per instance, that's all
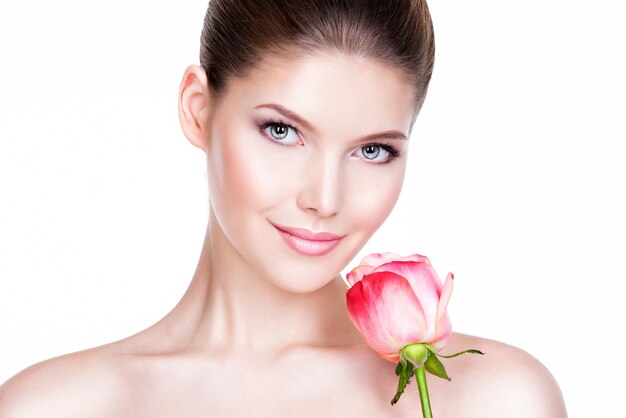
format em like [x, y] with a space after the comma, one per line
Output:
[515, 180]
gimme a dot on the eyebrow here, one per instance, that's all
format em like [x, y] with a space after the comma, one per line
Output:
[392, 134]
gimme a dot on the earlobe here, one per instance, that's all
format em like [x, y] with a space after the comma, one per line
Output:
[194, 106]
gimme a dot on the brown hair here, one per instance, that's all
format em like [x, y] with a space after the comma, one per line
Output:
[238, 34]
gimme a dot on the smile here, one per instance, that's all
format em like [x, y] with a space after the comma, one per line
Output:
[307, 242]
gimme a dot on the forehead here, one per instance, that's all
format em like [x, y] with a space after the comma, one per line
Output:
[339, 93]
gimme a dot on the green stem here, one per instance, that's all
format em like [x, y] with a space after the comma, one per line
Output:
[462, 352]
[420, 376]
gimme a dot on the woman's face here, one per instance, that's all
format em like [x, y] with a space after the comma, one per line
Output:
[317, 143]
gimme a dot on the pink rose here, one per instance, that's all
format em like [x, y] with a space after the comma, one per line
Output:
[395, 301]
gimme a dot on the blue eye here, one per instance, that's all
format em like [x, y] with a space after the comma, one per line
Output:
[370, 152]
[279, 132]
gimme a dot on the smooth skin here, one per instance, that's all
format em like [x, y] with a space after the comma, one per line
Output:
[263, 330]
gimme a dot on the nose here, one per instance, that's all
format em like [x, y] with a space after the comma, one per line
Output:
[321, 191]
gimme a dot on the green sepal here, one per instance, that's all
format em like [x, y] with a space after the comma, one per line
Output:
[434, 366]
[471, 351]
[417, 354]
[404, 371]
[402, 360]
[431, 348]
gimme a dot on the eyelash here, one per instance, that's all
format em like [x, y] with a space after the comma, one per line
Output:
[264, 124]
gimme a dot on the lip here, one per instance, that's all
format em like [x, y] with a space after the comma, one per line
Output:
[307, 242]
[308, 235]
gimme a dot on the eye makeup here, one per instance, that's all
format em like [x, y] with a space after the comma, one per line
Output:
[269, 122]
[266, 123]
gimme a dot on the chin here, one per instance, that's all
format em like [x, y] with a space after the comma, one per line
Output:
[300, 279]
[300, 274]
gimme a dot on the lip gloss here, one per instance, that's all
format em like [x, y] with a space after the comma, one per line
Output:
[307, 247]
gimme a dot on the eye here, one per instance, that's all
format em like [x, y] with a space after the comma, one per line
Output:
[371, 152]
[280, 132]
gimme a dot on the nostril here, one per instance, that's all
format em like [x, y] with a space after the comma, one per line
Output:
[322, 205]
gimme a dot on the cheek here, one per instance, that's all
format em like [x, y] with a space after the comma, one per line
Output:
[374, 195]
[248, 172]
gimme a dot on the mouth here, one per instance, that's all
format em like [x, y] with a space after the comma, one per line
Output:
[307, 242]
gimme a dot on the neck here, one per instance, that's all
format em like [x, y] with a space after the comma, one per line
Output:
[230, 308]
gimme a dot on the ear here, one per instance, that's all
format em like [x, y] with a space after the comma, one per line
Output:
[194, 106]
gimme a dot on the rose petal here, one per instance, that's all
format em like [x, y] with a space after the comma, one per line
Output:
[386, 312]
[443, 328]
[443, 332]
[445, 296]
[415, 257]
[376, 259]
[357, 274]
[426, 285]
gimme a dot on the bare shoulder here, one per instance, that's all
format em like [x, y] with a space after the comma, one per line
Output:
[506, 382]
[64, 386]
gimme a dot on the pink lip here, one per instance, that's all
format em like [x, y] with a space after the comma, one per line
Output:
[309, 235]
[307, 242]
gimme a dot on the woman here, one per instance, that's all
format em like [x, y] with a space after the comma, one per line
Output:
[304, 110]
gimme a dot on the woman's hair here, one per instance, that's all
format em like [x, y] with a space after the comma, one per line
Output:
[238, 34]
